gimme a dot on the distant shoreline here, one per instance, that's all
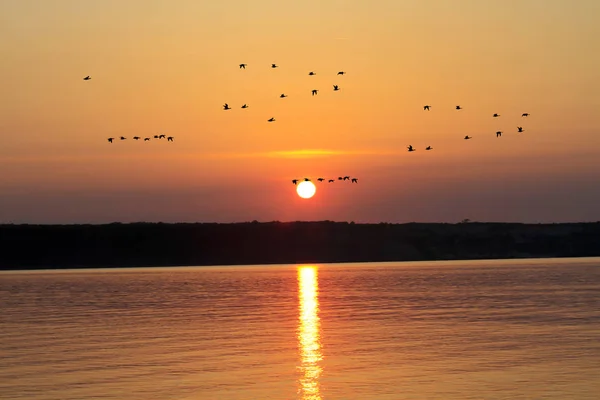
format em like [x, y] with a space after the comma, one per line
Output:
[483, 261]
[33, 247]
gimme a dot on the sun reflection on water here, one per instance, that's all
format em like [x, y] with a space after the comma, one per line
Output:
[308, 333]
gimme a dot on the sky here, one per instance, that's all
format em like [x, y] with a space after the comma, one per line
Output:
[168, 67]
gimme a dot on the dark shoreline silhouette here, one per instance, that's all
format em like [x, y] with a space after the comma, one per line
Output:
[181, 244]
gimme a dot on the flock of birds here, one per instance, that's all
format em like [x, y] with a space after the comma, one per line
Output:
[314, 92]
[467, 137]
[340, 178]
[146, 139]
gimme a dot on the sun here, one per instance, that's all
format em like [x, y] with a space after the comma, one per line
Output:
[306, 189]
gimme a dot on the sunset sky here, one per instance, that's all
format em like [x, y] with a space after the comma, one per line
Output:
[169, 66]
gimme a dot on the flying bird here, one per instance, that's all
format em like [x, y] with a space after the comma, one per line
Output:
[335, 87]
[410, 148]
[314, 91]
[499, 133]
[282, 95]
[331, 181]
[273, 65]
[320, 179]
[123, 138]
[155, 136]
[146, 139]
[346, 178]
[271, 120]
[294, 181]
[311, 73]
[170, 139]
[245, 106]
[110, 139]
[525, 115]
[428, 148]
[340, 178]
[306, 180]
[468, 137]
[87, 78]
[136, 138]
[520, 128]
[226, 107]
[341, 73]
[243, 66]
[161, 136]
[354, 180]
[426, 108]
[458, 107]
[496, 115]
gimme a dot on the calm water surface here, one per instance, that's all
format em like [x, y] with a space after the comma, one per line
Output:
[526, 329]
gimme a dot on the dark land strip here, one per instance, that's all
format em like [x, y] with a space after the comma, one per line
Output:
[160, 244]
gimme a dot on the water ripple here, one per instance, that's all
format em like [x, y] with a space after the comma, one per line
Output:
[472, 330]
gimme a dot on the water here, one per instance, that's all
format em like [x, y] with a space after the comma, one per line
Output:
[526, 329]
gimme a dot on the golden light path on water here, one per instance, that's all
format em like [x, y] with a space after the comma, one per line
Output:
[308, 333]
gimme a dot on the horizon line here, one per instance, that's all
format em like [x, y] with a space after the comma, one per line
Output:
[462, 222]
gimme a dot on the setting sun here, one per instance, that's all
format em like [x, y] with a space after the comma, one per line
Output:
[306, 189]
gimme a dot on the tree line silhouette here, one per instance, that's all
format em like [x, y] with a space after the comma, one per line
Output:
[160, 244]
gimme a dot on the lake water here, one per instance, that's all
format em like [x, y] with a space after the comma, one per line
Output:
[525, 329]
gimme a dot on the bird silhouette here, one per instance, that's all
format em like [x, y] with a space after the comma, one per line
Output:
[354, 180]
[136, 138]
[306, 180]
[226, 107]
[170, 139]
[155, 136]
[123, 138]
[245, 106]
[161, 136]
[520, 128]
[311, 73]
[294, 181]
[271, 120]
[525, 115]
[428, 148]
[426, 108]
[335, 87]
[468, 137]
[87, 78]
[282, 95]
[320, 179]
[340, 178]
[146, 139]
[314, 91]
[341, 73]
[274, 65]
[346, 178]
[410, 148]
[331, 181]
[243, 66]
[458, 107]
[496, 115]
[499, 133]
[110, 139]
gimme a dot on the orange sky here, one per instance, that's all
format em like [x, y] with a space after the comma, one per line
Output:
[160, 66]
